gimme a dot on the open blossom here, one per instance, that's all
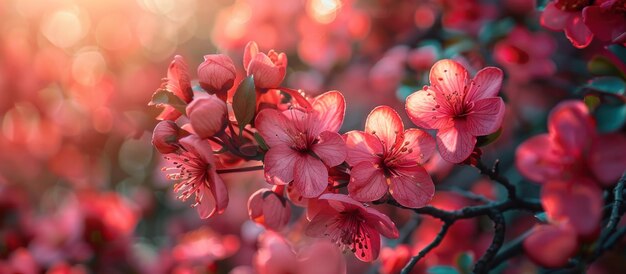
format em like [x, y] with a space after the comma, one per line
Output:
[303, 143]
[351, 225]
[572, 162]
[567, 15]
[194, 168]
[268, 69]
[459, 108]
[269, 208]
[217, 74]
[386, 157]
[208, 115]
[179, 84]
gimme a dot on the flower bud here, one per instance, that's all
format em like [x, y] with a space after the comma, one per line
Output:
[217, 73]
[207, 116]
[268, 69]
[165, 137]
[269, 209]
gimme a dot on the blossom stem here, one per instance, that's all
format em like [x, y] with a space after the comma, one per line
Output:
[241, 169]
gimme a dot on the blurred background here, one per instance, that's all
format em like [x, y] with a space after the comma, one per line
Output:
[81, 189]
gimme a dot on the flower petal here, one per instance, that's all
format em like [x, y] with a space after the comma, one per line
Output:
[362, 147]
[536, 159]
[455, 144]
[310, 176]
[551, 245]
[577, 32]
[279, 164]
[577, 202]
[200, 148]
[607, 160]
[213, 197]
[382, 223]
[553, 18]
[274, 127]
[486, 84]
[249, 52]
[330, 148]
[572, 127]
[449, 78]
[425, 111]
[370, 248]
[421, 145]
[486, 116]
[412, 187]
[608, 25]
[367, 182]
[330, 108]
[385, 123]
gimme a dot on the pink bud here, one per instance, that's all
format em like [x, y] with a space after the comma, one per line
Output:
[217, 73]
[207, 116]
[268, 69]
[267, 208]
[165, 137]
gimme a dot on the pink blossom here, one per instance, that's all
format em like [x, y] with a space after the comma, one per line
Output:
[268, 69]
[208, 116]
[178, 83]
[351, 225]
[387, 157]
[304, 143]
[269, 208]
[567, 15]
[217, 74]
[165, 137]
[459, 108]
[551, 245]
[573, 161]
[607, 20]
[194, 167]
[525, 55]
[276, 255]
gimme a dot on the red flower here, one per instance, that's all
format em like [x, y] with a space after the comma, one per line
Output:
[607, 20]
[268, 208]
[386, 157]
[208, 116]
[567, 15]
[351, 225]
[268, 69]
[460, 108]
[302, 144]
[178, 83]
[217, 74]
[196, 173]
[526, 55]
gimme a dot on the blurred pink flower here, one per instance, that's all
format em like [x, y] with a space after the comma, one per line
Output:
[177, 82]
[204, 246]
[217, 74]
[275, 255]
[460, 108]
[268, 69]
[567, 15]
[387, 158]
[394, 259]
[194, 167]
[551, 245]
[303, 143]
[526, 55]
[208, 115]
[269, 208]
[351, 225]
[606, 19]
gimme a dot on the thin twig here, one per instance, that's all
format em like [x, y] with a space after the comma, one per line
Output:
[511, 249]
[494, 174]
[484, 263]
[442, 233]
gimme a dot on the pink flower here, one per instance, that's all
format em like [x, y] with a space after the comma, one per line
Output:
[195, 170]
[572, 162]
[525, 55]
[207, 115]
[351, 225]
[165, 137]
[567, 15]
[302, 144]
[268, 69]
[386, 157]
[276, 255]
[268, 208]
[178, 83]
[607, 20]
[460, 108]
[551, 245]
[217, 74]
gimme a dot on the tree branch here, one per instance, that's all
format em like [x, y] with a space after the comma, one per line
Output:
[494, 174]
[442, 233]
[484, 263]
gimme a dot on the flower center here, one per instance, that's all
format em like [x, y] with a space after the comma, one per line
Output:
[348, 232]
[190, 171]
[571, 5]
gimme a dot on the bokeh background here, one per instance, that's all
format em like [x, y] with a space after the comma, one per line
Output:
[81, 189]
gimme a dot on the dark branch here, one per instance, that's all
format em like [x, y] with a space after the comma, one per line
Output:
[442, 233]
[511, 249]
[484, 263]
[494, 174]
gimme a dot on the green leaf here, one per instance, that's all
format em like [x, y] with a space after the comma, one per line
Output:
[244, 102]
[464, 262]
[488, 139]
[592, 102]
[541, 4]
[164, 97]
[260, 141]
[599, 65]
[442, 269]
[610, 117]
[607, 84]
[493, 30]
[542, 217]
